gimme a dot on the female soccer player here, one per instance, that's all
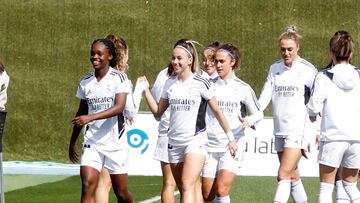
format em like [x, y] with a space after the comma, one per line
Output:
[161, 151]
[131, 109]
[4, 84]
[340, 143]
[187, 95]
[341, 195]
[234, 97]
[102, 96]
[209, 60]
[288, 86]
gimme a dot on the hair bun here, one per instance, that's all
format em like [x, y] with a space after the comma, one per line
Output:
[291, 29]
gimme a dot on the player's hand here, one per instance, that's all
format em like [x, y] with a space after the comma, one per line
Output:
[73, 156]
[129, 121]
[312, 118]
[244, 121]
[143, 83]
[81, 120]
[233, 148]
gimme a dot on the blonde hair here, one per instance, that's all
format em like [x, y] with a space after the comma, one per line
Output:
[189, 45]
[290, 33]
[121, 51]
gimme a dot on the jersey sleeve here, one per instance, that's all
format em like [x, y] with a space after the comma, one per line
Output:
[207, 89]
[266, 92]
[123, 84]
[159, 83]
[164, 93]
[311, 77]
[4, 83]
[130, 109]
[80, 92]
[318, 95]
[256, 114]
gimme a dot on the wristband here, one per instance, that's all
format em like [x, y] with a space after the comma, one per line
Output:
[230, 136]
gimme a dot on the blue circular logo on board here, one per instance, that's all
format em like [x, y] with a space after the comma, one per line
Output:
[138, 139]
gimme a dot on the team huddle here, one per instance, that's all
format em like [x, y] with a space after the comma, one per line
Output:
[203, 113]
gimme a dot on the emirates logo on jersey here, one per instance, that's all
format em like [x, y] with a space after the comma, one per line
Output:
[285, 90]
[100, 103]
[181, 104]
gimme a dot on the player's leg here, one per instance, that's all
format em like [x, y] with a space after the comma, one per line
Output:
[341, 195]
[297, 188]
[169, 184]
[208, 178]
[90, 167]
[208, 189]
[193, 164]
[289, 159]
[198, 192]
[120, 187]
[177, 169]
[89, 179]
[229, 167]
[351, 164]
[224, 182]
[327, 180]
[116, 161]
[349, 181]
[104, 187]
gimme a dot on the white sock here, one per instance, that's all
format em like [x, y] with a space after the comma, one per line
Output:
[341, 195]
[325, 194]
[225, 199]
[298, 192]
[283, 191]
[352, 190]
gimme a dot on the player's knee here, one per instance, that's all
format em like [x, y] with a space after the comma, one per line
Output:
[188, 185]
[222, 191]
[124, 196]
[284, 174]
[170, 184]
[88, 186]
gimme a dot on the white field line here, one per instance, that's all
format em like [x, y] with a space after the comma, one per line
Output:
[156, 198]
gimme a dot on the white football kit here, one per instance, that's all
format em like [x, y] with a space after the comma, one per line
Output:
[288, 88]
[4, 83]
[235, 98]
[133, 100]
[336, 97]
[187, 103]
[161, 150]
[100, 95]
[156, 91]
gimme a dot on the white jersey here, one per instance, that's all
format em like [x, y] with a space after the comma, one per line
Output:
[156, 91]
[187, 102]
[235, 98]
[204, 74]
[100, 96]
[288, 89]
[4, 84]
[336, 96]
[133, 100]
